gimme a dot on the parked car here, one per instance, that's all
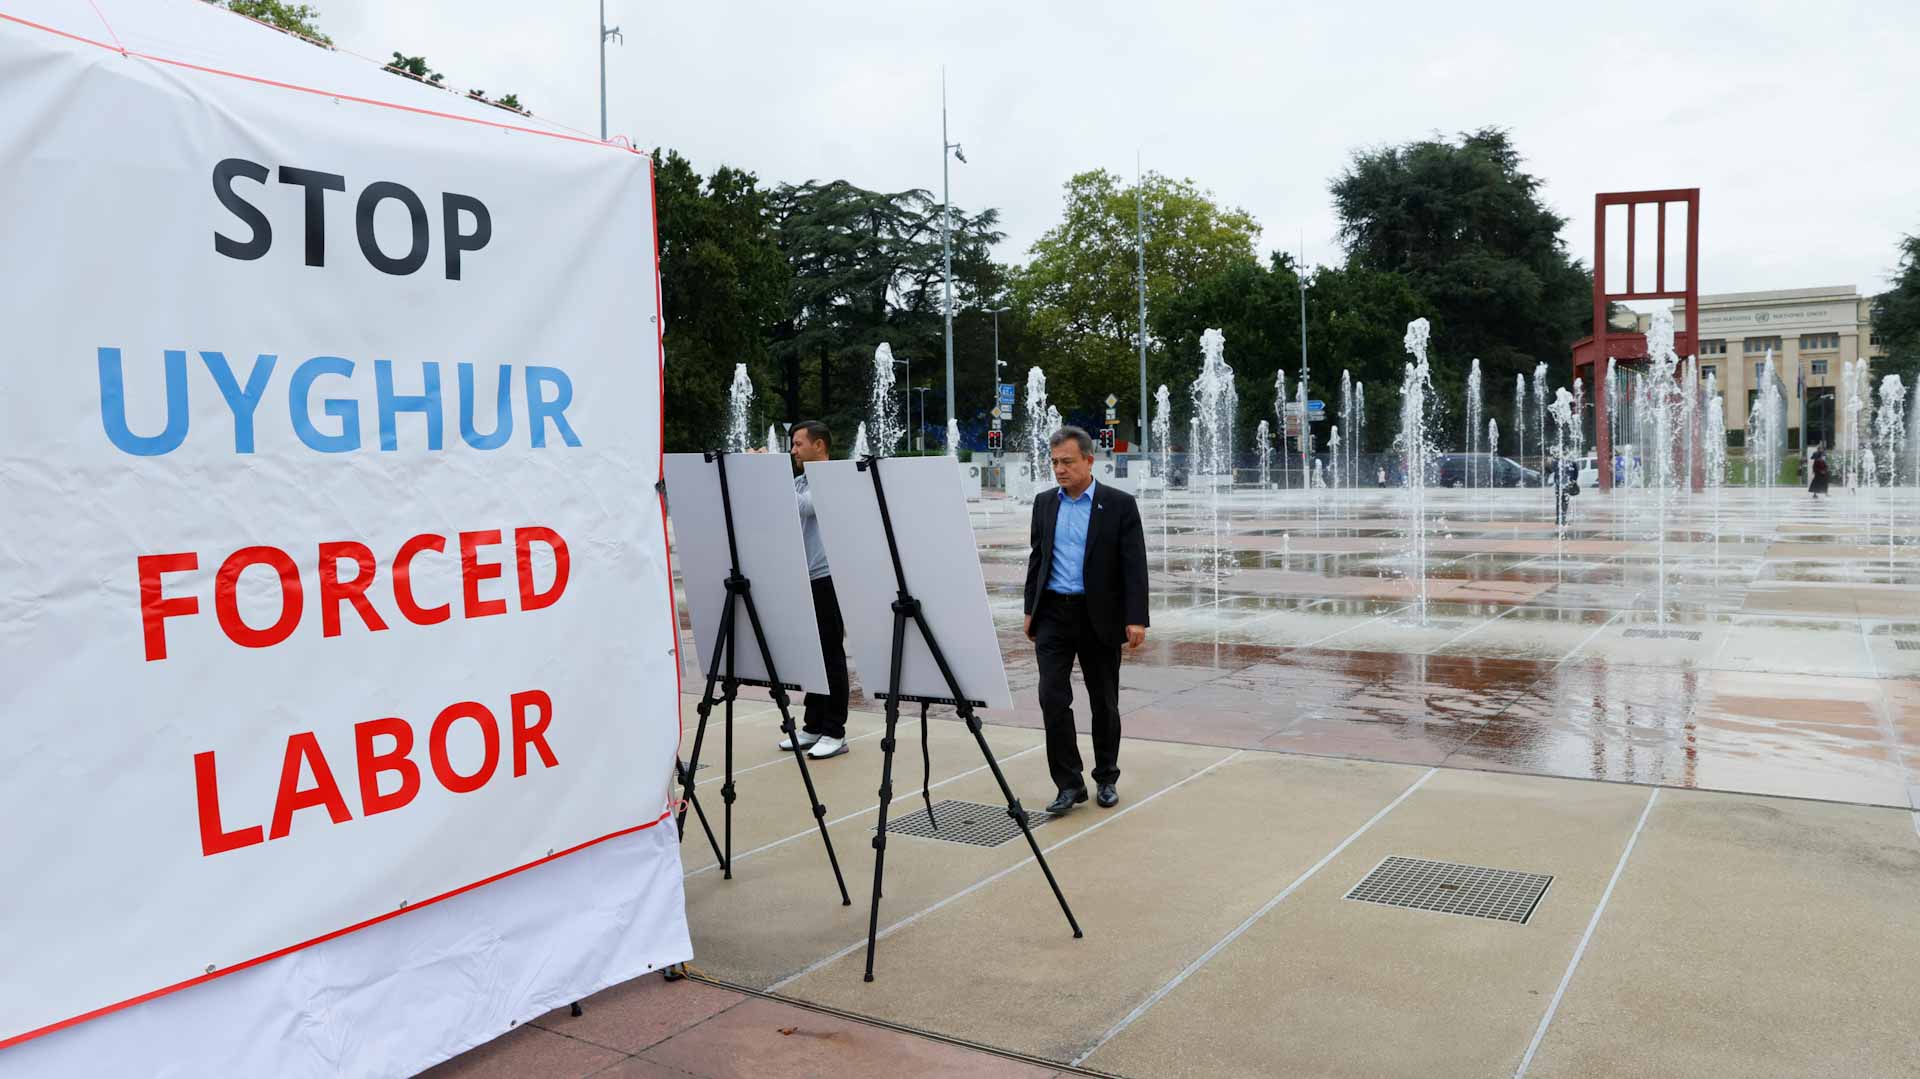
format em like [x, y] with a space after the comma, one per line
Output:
[1589, 473]
[1482, 470]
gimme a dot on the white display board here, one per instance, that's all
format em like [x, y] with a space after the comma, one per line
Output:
[338, 589]
[766, 520]
[942, 567]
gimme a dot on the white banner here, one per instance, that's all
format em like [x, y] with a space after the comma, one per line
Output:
[334, 579]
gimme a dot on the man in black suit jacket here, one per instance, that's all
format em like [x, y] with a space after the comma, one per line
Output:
[1086, 596]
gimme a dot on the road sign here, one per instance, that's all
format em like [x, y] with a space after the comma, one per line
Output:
[996, 423]
[1006, 398]
[1113, 416]
[995, 413]
[1112, 400]
[1316, 406]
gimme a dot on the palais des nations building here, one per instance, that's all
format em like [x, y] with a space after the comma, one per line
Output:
[1812, 331]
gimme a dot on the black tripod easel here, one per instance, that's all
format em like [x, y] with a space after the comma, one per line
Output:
[720, 674]
[907, 609]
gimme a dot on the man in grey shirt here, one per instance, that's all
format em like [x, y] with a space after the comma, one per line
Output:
[823, 727]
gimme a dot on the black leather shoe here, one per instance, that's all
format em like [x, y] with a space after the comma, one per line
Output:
[1109, 797]
[1066, 800]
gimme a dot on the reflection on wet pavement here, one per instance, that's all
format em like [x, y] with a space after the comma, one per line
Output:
[1774, 649]
[1778, 667]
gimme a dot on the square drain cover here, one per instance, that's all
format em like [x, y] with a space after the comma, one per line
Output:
[1665, 634]
[973, 823]
[1470, 890]
[1907, 646]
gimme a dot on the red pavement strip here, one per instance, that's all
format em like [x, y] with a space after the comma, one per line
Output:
[650, 1028]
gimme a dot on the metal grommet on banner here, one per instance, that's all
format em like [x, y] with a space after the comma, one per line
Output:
[210, 968]
[403, 904]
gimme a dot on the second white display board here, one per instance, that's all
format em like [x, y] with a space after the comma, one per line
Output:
[942, 567]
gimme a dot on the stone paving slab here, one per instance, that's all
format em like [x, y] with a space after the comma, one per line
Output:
[1152, 891]
[1327, 986]
[1751, 937]
[775, 917]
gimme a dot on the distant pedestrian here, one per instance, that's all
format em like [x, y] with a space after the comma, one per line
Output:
[1821, 476]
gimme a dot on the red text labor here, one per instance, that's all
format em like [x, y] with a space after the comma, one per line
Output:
[386, 768]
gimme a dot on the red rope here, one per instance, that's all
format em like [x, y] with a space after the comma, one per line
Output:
[110, 31]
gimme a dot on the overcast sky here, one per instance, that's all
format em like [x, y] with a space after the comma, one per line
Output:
[1800, 123]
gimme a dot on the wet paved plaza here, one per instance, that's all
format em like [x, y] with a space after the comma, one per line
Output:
[1787, 661]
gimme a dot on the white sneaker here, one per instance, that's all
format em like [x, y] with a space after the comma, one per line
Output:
[828, 747]
[807, 739]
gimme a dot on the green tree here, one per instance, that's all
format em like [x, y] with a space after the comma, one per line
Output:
[302, 19]
[1356, 319]
[1356, 322]
[1080, 291]
[511, 101]
[415, 66]
[723, 283]
[1465, 226]
[1257, 309]
[867, 268]
[1896, 319]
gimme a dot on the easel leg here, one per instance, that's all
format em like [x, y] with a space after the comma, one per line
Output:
[705, 709]
[693, 800]
[886, 781]
[1014, 810]
[1018, 814]
[726, 789]
[732, 690]
[781, 702]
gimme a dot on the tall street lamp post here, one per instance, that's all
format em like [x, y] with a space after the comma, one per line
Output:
[1140, 255]
[998, 363]
[919, 439]
[606, 34]
[946, 241]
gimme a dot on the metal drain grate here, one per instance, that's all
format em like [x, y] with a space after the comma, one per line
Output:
[1469, 890]
[974, 823]
[1907, 646]
[1664, 634]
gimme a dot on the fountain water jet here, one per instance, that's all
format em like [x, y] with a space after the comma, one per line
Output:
[739, 410]
[1520, 417]
[1163, 438]
[1714, 442]
[1473, 425]
[1038, 430]
[1212, 451]
[1416, 448]
[1890, 433]
[883, 407]
[1263, 442]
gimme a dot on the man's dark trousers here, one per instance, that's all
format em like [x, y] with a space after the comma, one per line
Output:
[826, 715]
[1062, 633]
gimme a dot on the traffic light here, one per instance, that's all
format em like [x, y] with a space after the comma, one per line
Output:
[993, 441]
[1106, 439]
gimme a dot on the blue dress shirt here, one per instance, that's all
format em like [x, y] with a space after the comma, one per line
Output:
[1070, 543]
